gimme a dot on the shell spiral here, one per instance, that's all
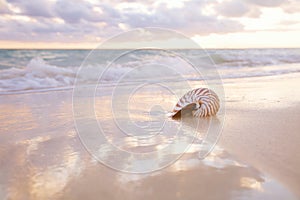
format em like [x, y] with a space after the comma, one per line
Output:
[202, 102]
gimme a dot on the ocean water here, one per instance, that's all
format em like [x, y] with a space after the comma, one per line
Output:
[32, 70]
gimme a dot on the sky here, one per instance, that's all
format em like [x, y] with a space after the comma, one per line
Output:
[210, 23]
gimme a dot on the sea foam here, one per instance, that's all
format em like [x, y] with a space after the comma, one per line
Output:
[36, 75]
[34, 70]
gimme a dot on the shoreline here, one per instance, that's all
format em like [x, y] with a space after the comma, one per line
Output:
[44, 158]
[224, 80]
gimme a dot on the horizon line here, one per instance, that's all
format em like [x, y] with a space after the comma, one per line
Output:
[228, 48]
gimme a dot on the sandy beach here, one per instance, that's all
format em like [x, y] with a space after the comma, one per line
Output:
[256, 157]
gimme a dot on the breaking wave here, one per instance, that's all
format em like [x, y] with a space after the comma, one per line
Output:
[46, 72]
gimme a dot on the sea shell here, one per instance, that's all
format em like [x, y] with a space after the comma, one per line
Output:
[200, 102]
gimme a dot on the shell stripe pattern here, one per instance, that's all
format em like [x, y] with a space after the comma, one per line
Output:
[205, 101]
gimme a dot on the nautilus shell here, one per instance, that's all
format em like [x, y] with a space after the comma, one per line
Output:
[200, 102]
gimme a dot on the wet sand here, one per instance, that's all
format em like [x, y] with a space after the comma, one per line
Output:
[42, 157]
[262, 126]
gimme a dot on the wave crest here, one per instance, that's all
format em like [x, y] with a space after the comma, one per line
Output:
[36, 75]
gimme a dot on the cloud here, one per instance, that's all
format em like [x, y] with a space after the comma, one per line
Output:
[74, 11]
[3, 7]
[254, 12]
[289, 22]
[48, 30]
[84, 20]
[34, 8]
[292, 6]
[266, 3]
[189, 19]
[237, 8]
[77, 20]
[234, 8]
